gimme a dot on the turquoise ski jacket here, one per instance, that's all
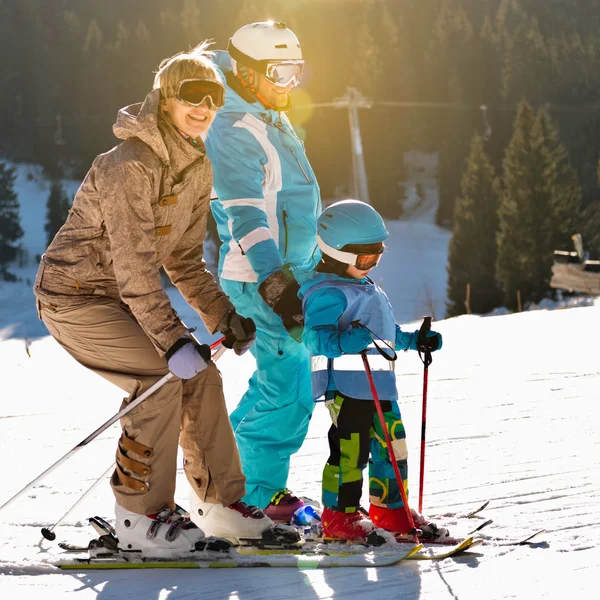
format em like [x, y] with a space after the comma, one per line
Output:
[267, 199]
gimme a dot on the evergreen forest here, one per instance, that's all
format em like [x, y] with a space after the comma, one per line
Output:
[486, 84]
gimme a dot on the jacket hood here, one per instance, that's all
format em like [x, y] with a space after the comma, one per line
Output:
[233, 101]
[141, 121]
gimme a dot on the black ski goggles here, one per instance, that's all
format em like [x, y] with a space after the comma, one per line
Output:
[194, 92]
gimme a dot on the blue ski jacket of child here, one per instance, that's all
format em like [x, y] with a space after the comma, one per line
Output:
[331, 305]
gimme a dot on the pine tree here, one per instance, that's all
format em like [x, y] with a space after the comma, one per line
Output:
[590, 225]
[517, 219]
[472, 251]
[57, 208]
[452, 154]
[562, 182]
[367, 66]
[539, 208]
[10, 227]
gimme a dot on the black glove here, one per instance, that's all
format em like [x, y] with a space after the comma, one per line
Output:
[280, 292]
[239, 332]
[432, 341]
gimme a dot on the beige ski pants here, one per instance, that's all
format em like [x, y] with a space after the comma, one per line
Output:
[102, 335]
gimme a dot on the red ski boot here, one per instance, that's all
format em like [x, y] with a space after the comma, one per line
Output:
[353, 527]
[396, 521]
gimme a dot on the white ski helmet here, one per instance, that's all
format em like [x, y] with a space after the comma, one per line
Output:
[270, 48]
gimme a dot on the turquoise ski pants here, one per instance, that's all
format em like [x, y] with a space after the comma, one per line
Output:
[271, 420]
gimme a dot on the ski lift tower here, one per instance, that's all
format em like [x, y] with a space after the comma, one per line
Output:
[353, 100]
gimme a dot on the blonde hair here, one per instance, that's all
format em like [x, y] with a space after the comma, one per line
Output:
[185, 65]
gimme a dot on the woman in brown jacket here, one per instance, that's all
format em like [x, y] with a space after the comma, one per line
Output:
[142, 206]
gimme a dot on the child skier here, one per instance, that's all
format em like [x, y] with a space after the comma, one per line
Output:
[345, 312]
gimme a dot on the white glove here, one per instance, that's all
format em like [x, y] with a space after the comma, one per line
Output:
[186, 358]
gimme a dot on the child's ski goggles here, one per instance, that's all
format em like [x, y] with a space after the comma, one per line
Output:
[284, 73]
[193, 92]
[362, 256]
[364, 262]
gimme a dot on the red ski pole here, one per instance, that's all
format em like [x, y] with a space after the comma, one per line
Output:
[413, 531]
[421, 347]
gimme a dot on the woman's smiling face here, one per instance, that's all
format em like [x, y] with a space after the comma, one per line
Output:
[193, 121]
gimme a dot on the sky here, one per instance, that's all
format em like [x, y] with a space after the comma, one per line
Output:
[512, 417]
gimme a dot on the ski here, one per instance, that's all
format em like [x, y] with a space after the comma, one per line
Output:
[236, 561]
[448, 541]
[345, 549]
[525, 541]
[474, 513]
[480, 527]
[435, 554]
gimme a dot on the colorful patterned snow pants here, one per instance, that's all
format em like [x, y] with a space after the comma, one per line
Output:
[355, 436]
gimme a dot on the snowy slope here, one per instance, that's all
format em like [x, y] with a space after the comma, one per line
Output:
[512, 417]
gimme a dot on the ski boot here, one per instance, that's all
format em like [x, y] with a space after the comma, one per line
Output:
[352, 527]
[395, 521]
[283, 506]
[167, 534]
[241, 524]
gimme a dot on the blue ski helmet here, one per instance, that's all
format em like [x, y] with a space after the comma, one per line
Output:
[350, 222]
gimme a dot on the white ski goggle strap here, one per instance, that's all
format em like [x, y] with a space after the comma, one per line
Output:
[284, 73]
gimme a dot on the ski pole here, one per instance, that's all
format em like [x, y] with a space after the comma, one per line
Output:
[427, 360]
[90, 437]
[47, 532]
[413, 531]
[95, 434]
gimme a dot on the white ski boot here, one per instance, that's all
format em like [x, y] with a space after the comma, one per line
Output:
[236, 522]
[167, 534]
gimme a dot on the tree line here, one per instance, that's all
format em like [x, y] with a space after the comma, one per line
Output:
[506, 226]
[74, 64]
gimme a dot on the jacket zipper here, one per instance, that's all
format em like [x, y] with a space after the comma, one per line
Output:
[279, 125]
[301, 167]
[285, 246]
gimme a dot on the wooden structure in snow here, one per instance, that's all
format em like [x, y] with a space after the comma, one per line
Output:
[572, 272]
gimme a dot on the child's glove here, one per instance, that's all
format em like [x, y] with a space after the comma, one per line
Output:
[408, 341]
[432, 342]
[355, 340]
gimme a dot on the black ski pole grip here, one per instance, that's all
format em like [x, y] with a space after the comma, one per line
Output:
[422, 337]
[422, 341]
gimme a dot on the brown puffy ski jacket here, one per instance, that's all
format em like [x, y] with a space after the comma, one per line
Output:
[141, 206]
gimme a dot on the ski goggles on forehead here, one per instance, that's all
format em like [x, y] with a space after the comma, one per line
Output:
[284, 73]
[194, 92]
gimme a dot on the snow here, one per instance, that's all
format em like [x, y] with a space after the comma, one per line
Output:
[512, 416]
